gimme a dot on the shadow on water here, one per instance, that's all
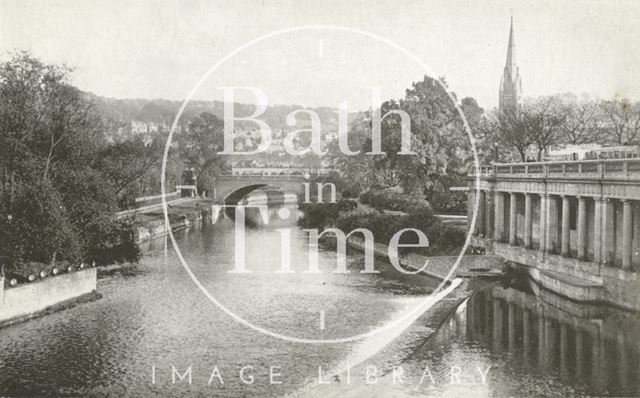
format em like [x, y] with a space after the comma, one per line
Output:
[539, 343]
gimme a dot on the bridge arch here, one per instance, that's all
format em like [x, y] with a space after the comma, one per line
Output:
[238, 186]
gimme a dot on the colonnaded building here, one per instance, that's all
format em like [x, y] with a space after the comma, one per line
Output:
[574, 225]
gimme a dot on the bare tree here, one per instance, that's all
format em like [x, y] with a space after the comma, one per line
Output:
[582, 124]
[512, 131]
[543, 122]
[622, 120]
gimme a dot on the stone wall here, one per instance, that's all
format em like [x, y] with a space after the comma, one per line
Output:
[438, 266]
[29, 299]
[158, 227]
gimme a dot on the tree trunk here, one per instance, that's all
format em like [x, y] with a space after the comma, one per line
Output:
[522, 155]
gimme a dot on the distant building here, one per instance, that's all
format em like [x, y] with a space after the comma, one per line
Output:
[138, 127]
[510, 84]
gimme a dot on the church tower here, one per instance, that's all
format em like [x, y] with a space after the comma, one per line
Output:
[510, 84]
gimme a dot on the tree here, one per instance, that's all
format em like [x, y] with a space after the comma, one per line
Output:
[127, 163]
[199, 147]
[512, 131]
[56, 200]
[543, 121]
[438, 138]
[582, 123]
[489, 146]
[622, 120]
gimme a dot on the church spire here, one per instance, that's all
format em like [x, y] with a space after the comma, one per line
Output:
[511, 50]
[510, 85]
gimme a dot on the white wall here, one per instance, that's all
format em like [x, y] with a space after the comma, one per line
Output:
[29, 298]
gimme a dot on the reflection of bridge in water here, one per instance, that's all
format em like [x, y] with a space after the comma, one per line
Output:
[592, 348]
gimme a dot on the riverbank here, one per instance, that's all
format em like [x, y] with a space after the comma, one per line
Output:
[183, 214]
[439, 267]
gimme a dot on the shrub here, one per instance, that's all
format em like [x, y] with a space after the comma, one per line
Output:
[318, 215]
[443, 239]
[345, 205]
[392, 200]
[22, 271]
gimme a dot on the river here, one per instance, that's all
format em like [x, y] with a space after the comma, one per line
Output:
[153, 319]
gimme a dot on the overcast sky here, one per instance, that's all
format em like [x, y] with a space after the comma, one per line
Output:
[160, 49]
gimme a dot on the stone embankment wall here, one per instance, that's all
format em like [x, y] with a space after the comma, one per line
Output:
[159, 227]
[438, 266]
[27, 300]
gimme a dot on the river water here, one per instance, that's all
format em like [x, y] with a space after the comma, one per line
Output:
[153, 319]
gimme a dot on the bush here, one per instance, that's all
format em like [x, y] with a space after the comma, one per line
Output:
[318, 215]
[443, 239]
[389, 199]
[345, 205]
[113, 242]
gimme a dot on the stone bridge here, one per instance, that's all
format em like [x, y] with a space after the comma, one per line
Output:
[574, 224]
[232, 187]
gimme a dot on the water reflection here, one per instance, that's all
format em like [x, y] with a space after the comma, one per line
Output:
[534, 342]
[154, 315]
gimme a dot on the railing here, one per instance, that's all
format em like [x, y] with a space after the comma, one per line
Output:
[279, 170]
[267, 177]
[586, 169]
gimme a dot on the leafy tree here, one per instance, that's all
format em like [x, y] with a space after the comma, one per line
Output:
[199, 147]
[128, 164]
[438, 139]
[56, 200]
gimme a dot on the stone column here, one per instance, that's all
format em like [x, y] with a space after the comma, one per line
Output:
[544, 203]
[513, 214]
[582, 228]
[528, 220]
[607, 234]
[608, 241]
[481, 214]
[488, 215]
[552, 224]
[498, 228]
[636, 236]
[565, 227]
[627, 231]
[597, 231]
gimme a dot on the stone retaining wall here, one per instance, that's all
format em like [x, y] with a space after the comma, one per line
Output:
[439, 266]
[29, 299]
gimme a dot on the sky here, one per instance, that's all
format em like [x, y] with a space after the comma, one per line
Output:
[161, 49]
